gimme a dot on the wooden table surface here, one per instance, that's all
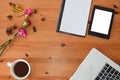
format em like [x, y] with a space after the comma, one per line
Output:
[52, 55]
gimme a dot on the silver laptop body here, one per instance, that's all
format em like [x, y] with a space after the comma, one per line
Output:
[97, 66]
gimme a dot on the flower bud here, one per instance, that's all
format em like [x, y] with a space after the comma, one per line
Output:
[28, 11]
[26, 23]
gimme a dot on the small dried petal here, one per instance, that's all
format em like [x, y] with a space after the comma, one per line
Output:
[115, 6]
[9, 31]
[34, 11]
[10, 17]
[63, 45]
[43, 19]
[34, 29]
[12, 4]
[1, 61]
[14, 27]
[26, 55]
[46, 72]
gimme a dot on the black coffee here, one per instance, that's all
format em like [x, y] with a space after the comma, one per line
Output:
[21, 69]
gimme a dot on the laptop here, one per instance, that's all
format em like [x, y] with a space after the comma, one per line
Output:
[96, 66]
[74, 17]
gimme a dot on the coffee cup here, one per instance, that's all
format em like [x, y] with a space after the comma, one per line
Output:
[19, 69]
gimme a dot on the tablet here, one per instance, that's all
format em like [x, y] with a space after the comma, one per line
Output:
[73, 18]
[101, 22]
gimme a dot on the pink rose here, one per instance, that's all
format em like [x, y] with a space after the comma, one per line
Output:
[28, 11]
[22, 32]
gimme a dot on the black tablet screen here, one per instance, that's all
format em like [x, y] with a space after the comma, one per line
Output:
[101, 21]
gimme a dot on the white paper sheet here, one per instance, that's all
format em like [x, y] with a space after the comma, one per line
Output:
[75, 16]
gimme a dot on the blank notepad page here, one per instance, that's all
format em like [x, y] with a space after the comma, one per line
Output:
[75, 16]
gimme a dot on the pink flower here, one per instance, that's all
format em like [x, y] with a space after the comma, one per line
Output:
[22, 32]
[28, 11]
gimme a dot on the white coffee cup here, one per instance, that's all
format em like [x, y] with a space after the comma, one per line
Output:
[12, 65]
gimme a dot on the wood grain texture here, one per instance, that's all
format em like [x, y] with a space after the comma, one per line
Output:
[52, 55]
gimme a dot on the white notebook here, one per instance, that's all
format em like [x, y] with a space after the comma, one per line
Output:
[74, 17]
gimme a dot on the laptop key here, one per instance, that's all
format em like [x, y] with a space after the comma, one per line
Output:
[105, 68]
[113, 76]
[100, 74]
[111, 79]
[109, 69]
[97, 78]
[105, 74]
[109, 75]
[113, 70]
[116, 72]
[107, 65]
[103, 77]
[118, 77]
[119, 74]
[107, 78]
[103, 71]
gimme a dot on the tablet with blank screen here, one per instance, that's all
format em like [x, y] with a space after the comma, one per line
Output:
[101, 22]
[74, 17]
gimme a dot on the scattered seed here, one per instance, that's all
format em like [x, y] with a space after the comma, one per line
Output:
[9, 31]
[14, 27]
[34, 29]
[1, 61]
[35, 11]
[26, 55]
[63, 45]
[46, 73]
[11, 4]
[43, 19]
[10, 17]
[115, 6]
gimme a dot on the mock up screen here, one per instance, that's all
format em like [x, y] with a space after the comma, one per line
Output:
[101, 21]
[74, 17]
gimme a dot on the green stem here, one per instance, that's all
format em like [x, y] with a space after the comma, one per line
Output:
[4, 45]
[2, 50]
[15, 35]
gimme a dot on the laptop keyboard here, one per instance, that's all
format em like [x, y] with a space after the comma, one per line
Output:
[108, 73]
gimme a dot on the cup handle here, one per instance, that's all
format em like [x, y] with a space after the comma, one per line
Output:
[9, 64]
